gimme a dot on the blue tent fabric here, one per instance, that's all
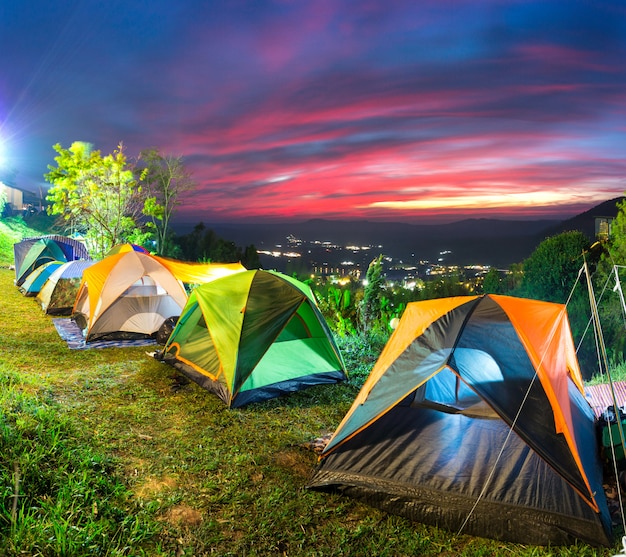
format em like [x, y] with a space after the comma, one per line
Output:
[35, 280]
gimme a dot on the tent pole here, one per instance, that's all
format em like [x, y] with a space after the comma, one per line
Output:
[602, 347]
[596, 318]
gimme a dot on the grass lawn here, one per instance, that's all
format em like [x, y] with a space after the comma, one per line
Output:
[104, 452]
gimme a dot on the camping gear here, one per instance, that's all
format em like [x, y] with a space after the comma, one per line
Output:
[130, 294]
[252, 336]
[30, 253]
[35, 280]
[474, 419]
[127, 295]
[58, 294]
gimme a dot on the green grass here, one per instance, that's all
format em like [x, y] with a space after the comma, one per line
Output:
[13, 230]
[114, 458]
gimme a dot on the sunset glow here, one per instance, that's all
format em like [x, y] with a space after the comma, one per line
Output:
[395, 110]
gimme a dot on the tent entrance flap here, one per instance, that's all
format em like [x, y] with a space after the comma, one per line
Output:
[447, 392]
[285, 361]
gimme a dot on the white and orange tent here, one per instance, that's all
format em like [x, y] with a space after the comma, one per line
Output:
[131, 293]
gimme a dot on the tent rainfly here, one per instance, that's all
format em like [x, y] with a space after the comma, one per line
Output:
[130, 294]
[252, 336]
[30, 253]
[35, 281]
[474, 419]
[127, 295]
[58, 293]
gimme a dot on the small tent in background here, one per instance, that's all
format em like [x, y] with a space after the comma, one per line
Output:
[30, 253]
[58, 294]
[474, 419]
[34, 281]
[252, 336]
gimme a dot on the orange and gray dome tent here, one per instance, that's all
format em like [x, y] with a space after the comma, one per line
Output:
[252, 336]
[474, 419]
[131, 293]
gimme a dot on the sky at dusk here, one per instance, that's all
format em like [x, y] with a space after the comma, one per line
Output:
[414, 111]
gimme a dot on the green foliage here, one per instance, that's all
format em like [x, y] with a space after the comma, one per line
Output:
[59, 497]
[164, 179]
[617, 241]
[371, 305]
[360, 351]
[552, 269]
[492, 283]
[338, 307]
[444, 287]
[98, 195]
[203, 244]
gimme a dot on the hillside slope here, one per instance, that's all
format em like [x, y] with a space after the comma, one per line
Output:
[13, 230]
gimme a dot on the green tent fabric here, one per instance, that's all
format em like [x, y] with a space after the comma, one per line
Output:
[40, 252]
[29, 253]
[252, 336]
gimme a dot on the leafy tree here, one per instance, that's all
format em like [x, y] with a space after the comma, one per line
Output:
[492, 283]
[337, 304]
[513, 278]
[98, 195]
[203, 244]
[453, 285]
[250, 259]
[551, 271]
[164, 179]
[373, 293]
[616, 246]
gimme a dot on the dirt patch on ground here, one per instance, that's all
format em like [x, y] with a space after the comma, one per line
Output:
[293, 460]
[183, 515]
[153, 486]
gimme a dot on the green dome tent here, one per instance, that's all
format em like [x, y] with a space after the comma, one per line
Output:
[30, 253]
[251, 336]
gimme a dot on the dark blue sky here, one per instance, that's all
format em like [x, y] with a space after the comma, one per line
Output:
[396, 110]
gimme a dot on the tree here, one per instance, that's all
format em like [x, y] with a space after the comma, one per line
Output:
[616, 246]
[492, 284]
[203, 244]
[372, 296]
[551, 271]
[98, 195]
[164, 179]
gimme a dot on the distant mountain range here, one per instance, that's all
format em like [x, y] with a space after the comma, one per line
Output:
[493, 242]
